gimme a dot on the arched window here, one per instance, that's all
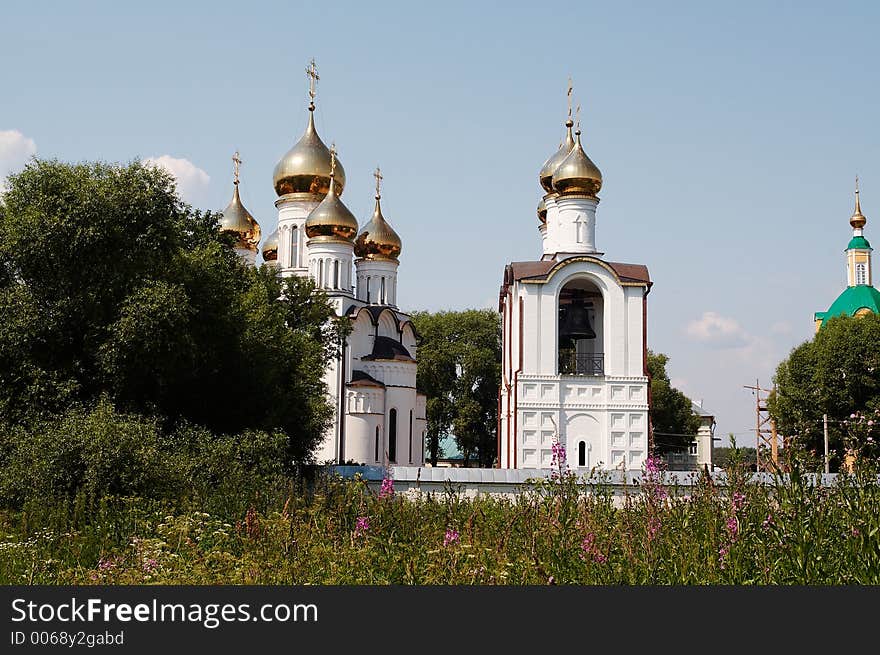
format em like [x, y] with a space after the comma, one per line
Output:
[392, 435]
[368, 291]
[582, 453]
[382, 297]
[294, 247]
[335, 273]
[377, 444]
[320, 272]
[410, 435]
[861, 274]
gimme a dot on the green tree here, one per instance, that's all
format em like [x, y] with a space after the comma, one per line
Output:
[111, 286]
[836, 373]
[672, 416]
[460, 372]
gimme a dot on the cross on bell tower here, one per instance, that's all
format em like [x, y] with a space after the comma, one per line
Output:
[236, 166]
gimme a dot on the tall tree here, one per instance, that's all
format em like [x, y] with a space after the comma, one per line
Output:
[836, 373]
[460, 371]
[111, 285]
[672, 416]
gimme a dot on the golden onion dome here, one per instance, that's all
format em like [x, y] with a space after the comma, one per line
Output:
[238, 220]
[858, 219]
[305, 168]
[577, 174]
[270, 248]
[542, 211]
[550, 166]
[377, 239]
[331, 220]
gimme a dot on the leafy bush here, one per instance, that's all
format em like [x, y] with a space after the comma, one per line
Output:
[101, 452]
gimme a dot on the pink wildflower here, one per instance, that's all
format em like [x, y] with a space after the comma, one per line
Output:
[733, 526]
[450, 537]
[767, 522]
[150, 565]
[387, 489]
[362, 526]
[653, 527]
[739, 500]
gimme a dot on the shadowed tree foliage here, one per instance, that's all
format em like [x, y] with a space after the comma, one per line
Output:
[111, 286]
[836, 373]
[460, 371]
[672, 416]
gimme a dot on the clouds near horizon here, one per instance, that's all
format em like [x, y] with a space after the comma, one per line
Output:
[192, 181]
[15, 150]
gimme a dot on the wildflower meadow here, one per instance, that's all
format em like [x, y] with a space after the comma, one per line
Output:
[558, 531]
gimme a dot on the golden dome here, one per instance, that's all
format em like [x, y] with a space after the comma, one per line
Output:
[542, 211]
[858, 219]
[305, 168]
[270, 248]
[238, 220]
[577, 174]
[550, 166]
[331, 220]
[377, 239]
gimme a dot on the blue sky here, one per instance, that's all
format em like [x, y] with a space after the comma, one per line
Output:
[728, 135]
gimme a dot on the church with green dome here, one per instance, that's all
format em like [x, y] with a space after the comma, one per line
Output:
[860, 297]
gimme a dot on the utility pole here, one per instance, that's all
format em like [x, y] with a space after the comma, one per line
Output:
[825, 430]
[765, 429]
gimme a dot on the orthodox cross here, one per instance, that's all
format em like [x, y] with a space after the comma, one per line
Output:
[332, 159]
[379, 178]
[857, 184]
[569, 96]
[312, 72]
[577, 121]
[236, 165]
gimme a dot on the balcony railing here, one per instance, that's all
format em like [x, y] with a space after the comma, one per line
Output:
[571, 363]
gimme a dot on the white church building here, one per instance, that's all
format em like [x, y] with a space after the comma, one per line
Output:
[574, 335]
[380, 416]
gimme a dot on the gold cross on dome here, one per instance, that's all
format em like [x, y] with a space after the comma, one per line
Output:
[332, 159]
[236, 166]
[857, 183]
[379, 178]
[578, 120]
[570, 87]
[312, 72]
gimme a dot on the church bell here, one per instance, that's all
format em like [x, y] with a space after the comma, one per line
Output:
[575, 323]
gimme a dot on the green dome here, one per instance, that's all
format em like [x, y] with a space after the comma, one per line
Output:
[852, 300]
[859, 242]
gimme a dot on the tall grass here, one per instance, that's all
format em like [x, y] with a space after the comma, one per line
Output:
[559, 532]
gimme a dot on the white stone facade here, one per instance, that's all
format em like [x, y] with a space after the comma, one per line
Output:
[380, 418]
[590, 394]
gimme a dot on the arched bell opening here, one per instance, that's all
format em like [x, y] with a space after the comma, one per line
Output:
[580, 322]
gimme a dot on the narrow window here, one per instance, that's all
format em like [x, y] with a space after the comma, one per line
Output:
[294, 247]
[377, 443]
[861, 274]
[392, 436]
[320, 272]
[582, 453]
[368, 291]
[335, 273]
[382, 297]
[410, 435]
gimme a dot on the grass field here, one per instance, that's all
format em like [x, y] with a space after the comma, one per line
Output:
[340, 532]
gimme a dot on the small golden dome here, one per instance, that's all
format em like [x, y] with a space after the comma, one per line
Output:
[542, 211]
[377, 239]
[331, 220]
[305, 168]
[550, 166]
[858, 219]
[270, 248]
[577, 174]
[238, 220]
